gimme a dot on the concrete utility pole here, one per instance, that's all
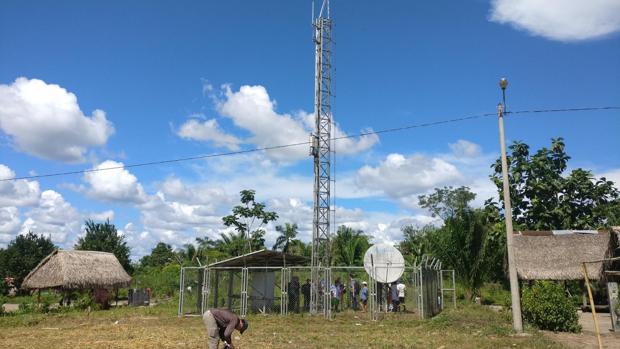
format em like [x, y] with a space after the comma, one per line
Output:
[517, 322]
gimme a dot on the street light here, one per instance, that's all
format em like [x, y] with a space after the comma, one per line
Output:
[503, 83]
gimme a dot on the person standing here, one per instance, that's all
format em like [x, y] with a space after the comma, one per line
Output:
[293, 295]
[220, 324]
[401, 294]
[394, 296]
[305, 290]
[354, 290]
[364, 295]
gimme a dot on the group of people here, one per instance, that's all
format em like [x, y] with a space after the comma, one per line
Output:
[354, 292]
[357, 292]
[396, 296]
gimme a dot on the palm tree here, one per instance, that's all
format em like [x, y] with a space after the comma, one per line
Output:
[287, 238]
[232, 244]
[349, 246]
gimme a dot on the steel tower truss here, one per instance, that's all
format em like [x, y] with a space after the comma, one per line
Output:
[320, 150]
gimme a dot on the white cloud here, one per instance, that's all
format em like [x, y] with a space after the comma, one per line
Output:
[399, 176]
[45, 120]
[53, 216]
[463, 148]
[252, 109]
[17, 192]
[114, 185]
[562, 20]
[9, 223]
[208, 131]
[101, 216]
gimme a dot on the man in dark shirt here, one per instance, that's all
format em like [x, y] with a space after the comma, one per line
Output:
[220, 324]
[305, 290]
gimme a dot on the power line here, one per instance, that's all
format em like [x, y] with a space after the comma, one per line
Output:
[361, 134]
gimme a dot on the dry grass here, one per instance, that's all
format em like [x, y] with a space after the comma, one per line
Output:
[468, 327]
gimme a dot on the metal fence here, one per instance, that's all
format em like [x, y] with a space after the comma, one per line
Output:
[276, 290]
[431, 285]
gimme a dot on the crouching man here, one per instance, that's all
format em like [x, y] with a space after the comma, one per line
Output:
[220, 324]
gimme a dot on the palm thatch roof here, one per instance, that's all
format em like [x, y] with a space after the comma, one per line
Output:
[544, 256]
[72, 270]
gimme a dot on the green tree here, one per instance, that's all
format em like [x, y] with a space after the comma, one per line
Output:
[415, 243]
[286, 239]
[232, 244]
[161, 255]
[23, 254]
[447, 202]
[543, 198]
[467, 241]
[104, 237]
[349, 246]
[248, 220]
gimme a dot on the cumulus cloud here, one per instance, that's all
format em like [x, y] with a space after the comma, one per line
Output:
[17, 192]
[45, 120]
[251, 108]
[101, 216]
[562, 20]
[463, 148]
[208, 131]
[114, 185]
[53, 216]
[399, 176]
[9, 223]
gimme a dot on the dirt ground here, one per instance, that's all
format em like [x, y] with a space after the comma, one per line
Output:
[587, 338]
[130, 328]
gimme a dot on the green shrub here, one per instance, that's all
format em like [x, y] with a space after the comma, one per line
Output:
[4, 288]
[86, 300]
[495, 293]
[548, 307]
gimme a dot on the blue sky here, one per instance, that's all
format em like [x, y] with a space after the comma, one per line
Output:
[175, 80]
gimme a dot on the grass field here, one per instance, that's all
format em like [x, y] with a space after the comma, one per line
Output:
[158, 327]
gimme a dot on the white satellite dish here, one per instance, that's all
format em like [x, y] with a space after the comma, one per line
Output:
[384, 263]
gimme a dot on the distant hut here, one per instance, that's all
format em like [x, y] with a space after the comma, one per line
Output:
[557, 255]
[79, 270]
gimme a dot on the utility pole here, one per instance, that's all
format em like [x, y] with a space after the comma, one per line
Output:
[517, 323]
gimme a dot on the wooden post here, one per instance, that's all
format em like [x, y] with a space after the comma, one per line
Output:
[592, 307]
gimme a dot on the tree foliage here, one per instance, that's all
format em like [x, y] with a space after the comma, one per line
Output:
[248, 220]
[466, 242]
[547, 306]
[544, 198]
[104, 237]
[287, 237]
[23, 254]
[447, 202]
[161, 255]
[349, 246]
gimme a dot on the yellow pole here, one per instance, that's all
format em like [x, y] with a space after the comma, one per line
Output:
[598, 332]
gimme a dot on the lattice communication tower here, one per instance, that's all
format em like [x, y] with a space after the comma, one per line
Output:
[320, 150]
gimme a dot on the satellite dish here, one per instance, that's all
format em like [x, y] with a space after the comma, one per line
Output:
[384, 263]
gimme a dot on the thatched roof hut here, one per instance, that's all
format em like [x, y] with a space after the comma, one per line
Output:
[71, 270]
[546, 256]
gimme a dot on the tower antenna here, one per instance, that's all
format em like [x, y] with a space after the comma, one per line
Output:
[320, 151]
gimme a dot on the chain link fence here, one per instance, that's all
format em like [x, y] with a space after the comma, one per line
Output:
[276, 290]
